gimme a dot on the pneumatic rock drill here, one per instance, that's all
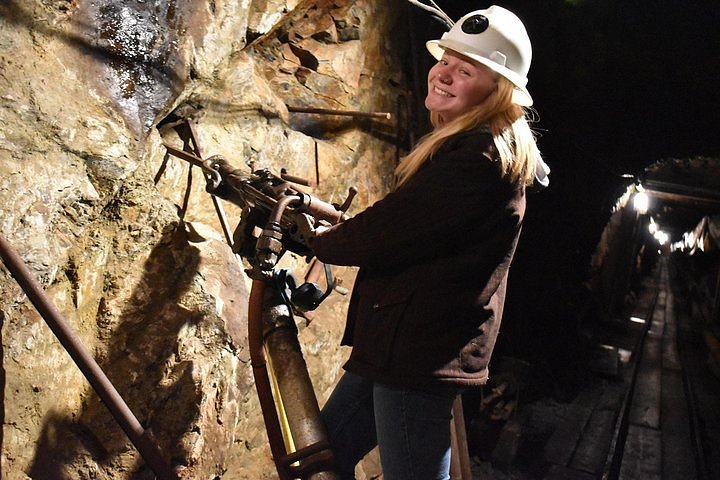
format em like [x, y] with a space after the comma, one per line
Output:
[273, 209]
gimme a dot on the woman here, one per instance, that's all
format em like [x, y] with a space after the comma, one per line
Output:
[434, 256]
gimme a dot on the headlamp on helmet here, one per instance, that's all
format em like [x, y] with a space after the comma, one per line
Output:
[495, 37]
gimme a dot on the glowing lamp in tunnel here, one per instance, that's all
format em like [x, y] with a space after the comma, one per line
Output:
[652, 226]
[661, 237]
[641, 202]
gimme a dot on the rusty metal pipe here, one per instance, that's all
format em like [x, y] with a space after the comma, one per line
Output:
[82, 358]
[280, 206]
[269, 246]
[347, 113]
[294, 179]
[262, 380]
[187, 156]
[295, 388]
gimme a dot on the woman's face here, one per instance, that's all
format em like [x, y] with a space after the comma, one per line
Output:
[456, 84]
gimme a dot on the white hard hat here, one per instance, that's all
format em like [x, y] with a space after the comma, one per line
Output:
[497, 38]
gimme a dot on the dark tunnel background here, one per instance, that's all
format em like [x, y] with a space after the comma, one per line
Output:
[618, 86]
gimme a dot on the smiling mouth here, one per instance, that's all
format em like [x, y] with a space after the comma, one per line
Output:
[442, 93]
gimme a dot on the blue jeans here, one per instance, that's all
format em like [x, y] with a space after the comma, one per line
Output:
[411, 427]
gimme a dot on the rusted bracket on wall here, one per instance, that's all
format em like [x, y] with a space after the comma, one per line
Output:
[82, 358]
[186, 131]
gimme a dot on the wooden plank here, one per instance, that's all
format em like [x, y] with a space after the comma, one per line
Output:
[592, 451]
[641, 458]
[670, 356]
[508, 444]
[658, 322]
[558, 472]
[706, 392]
[561, 445]
[460, 465]
[678, 457]
[645, 409]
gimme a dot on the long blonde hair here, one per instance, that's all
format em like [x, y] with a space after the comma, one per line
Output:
[508, 124]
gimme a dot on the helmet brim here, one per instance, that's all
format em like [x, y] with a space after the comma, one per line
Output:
[521, 96]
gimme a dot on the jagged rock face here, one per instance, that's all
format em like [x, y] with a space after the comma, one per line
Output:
[129, 251]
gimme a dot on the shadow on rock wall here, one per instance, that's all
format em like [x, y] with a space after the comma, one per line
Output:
[166, 408]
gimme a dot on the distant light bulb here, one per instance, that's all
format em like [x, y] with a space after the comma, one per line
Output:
[652, 226]
[661, 237]
[641, 203]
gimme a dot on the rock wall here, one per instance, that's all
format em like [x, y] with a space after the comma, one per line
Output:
[126, 242]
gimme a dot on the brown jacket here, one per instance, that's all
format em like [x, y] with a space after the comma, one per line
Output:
[434, 258]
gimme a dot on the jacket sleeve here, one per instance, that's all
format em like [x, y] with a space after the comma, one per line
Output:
[457, 195]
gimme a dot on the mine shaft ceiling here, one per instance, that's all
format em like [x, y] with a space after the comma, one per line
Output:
[682, 192]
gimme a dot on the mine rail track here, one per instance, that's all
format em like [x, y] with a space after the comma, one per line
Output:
[656, 417]
[668, 426]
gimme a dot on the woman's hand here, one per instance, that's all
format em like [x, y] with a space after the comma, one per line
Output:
[307, 229]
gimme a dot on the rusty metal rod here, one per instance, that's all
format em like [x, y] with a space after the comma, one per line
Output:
[194, 160]
[92, 371]
[292, 178]
[347, 113]
[187, 156]
[312, 275]
[222, 218]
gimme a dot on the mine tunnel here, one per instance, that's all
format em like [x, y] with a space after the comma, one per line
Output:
[639, 354]
[607, 364]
